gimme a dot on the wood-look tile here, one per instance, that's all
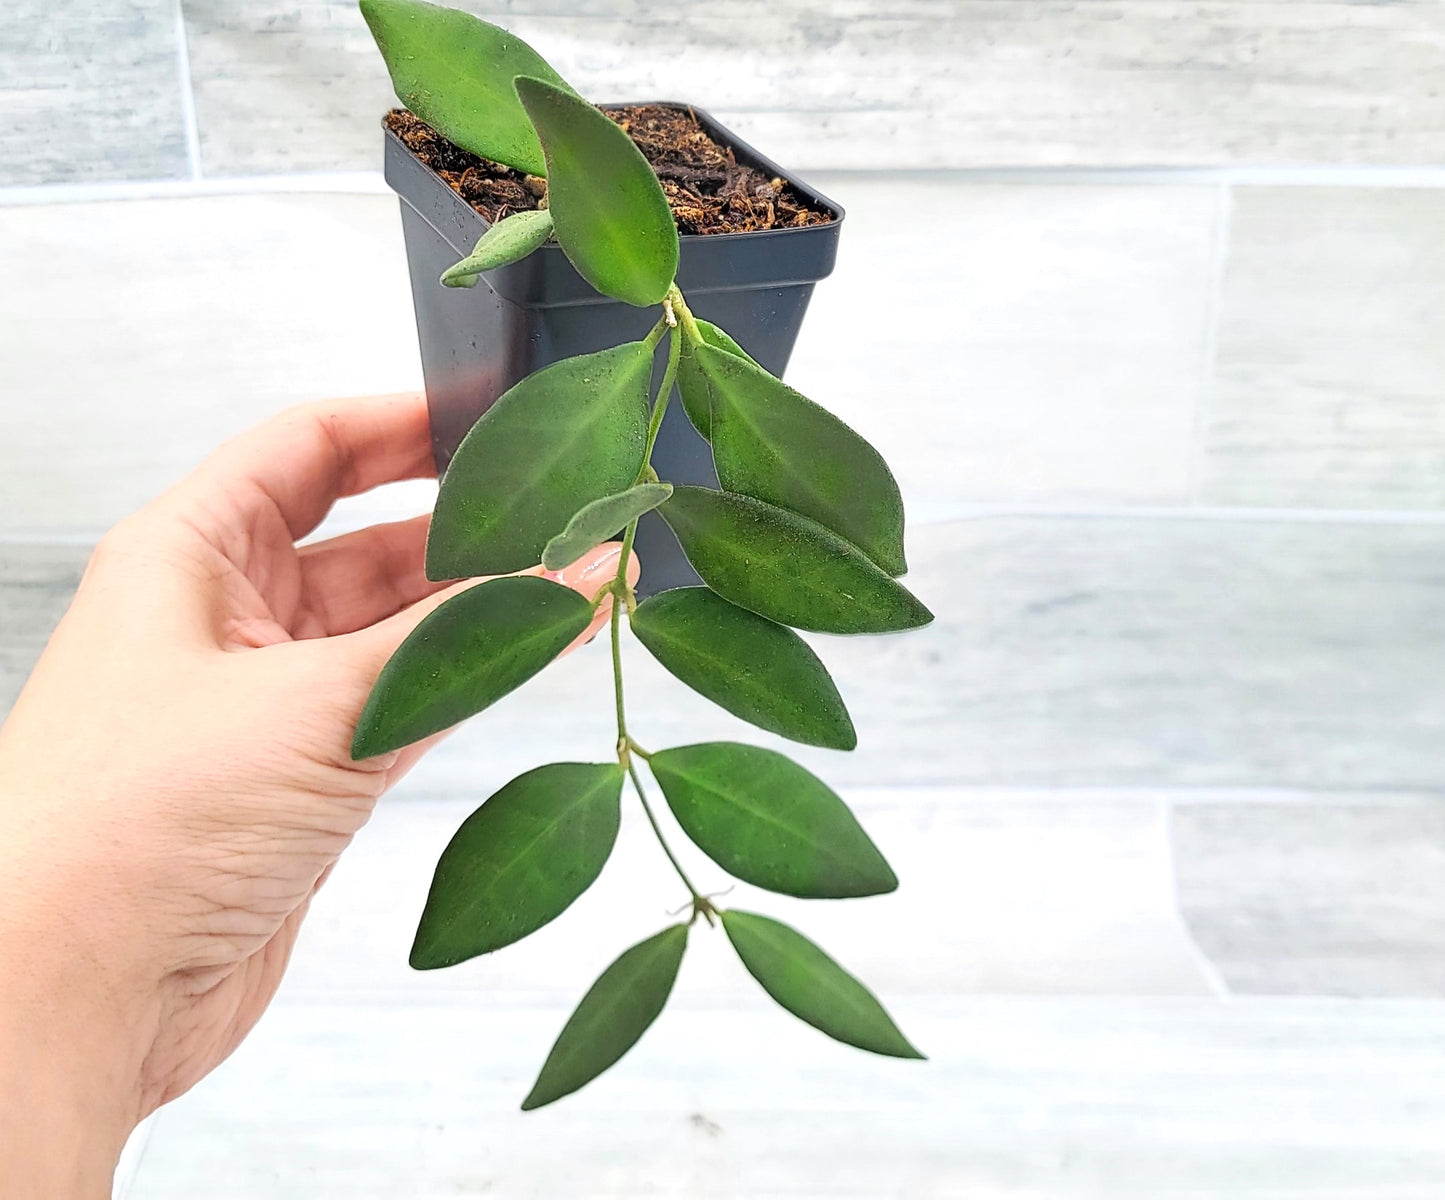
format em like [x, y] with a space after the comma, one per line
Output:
[1084, 651]
[91, 92]
[1075, 318]
[1070, 1099]
[1005, 343]
[923, 83]
[1014, 892]
[1331, 365]
[208, 315]
[1078, 652]
[36, 583]
[1317, 899]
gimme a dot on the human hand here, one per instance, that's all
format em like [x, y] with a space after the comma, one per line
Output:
[176, 781]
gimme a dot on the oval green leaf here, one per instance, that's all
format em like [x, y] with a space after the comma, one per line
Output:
[764, 819]
[613, 221]
[519, 861]
[566, 435]
[596, 522]
[692, 385]
[786, 567]
[466, 655]
[811, 986]
[757, 669]
[773, 443]
[510, 240]
[455, 72]
[613, 1015]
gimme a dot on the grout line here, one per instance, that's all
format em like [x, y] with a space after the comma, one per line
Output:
[924, 513]
[370, 181]
[1209, 351]
[1252, 175]
[188, 95]
[1202, 962]
[310, 183]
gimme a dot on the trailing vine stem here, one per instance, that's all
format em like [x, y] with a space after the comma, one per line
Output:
[623, 594]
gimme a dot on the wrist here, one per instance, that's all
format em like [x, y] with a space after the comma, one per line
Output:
[70, 1063]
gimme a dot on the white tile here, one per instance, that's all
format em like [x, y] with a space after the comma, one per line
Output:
[1344, 898]
[91, 92]
[1331, 366]
[1084, 652]
[1016, 343]
[1058, 358]
[1000, 892]
[137, 335]
[915, 83]
[1071, 1099]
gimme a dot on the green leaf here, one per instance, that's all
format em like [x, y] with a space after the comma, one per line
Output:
[509, 240]
[466, 655]
[613, 221]
[596, 522]
[519, 861]
[566, 435]
[811, 986]
[756, 669]
[455, 72]
[766, 820]
[692, 385]
[613, 1015]
[774, 444]
[786, 567]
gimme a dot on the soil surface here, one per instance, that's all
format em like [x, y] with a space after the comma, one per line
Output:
[708, 189]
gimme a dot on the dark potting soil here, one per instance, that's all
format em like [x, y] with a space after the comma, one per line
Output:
[708, 189]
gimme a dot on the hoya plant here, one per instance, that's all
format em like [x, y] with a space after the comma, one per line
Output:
[805, 532]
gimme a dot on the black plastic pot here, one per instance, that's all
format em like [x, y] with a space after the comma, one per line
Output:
[477, 342]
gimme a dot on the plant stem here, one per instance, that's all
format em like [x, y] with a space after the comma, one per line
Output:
[697, 897]
[684, 314]
[622, 738]
[622, 595]
[664, 394]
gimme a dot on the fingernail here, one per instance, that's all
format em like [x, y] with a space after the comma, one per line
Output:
[603, 565]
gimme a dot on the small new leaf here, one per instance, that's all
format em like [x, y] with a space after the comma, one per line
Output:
[692, 384]
[786, 567]
[564, 436]
[510, 240]
[466, 655]
[764, 819]
[455, 72]
[519, 861]
[811, 986]
[774, 444]
[757, 669]
[613, 1015]
[596, 522]
[613, 221]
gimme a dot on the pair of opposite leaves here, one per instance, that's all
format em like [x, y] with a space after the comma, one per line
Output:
[571, 437]
[490, 93]
[535, 846]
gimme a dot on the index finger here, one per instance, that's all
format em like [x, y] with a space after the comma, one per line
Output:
[305, 459]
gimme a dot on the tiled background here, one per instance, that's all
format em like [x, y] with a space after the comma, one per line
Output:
[1143, 300]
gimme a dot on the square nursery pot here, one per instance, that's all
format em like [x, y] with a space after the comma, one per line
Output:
[477, 342]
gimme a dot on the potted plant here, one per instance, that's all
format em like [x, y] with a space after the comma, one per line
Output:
[562, 367]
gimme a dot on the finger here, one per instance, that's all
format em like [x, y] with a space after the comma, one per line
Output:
[356, 579]
[300, 462]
